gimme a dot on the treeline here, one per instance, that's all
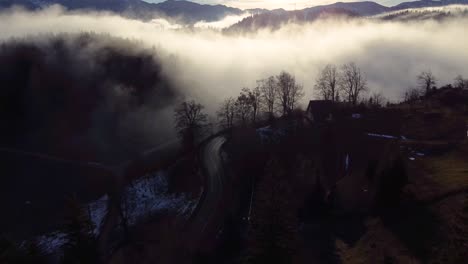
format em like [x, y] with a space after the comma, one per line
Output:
[275, 95]
[425, 14]
[347, 83]
[280, 95]
[276, 19]
[427, 85]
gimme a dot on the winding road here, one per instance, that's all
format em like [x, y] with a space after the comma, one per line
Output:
[214, 178]
[204, 215]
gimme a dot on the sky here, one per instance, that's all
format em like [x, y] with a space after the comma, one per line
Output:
[285, 4]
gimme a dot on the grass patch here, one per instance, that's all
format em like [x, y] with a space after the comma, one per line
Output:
[450, 170]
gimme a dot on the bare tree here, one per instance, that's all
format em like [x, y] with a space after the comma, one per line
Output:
[255, 101]
[461, 83]
[243, 108]
[352, 82]
[285, 81]
[377, 100]
[227, 112]
[288, 92]
[411, 95]
[251, 97]
[190, 121]
[327, 84]
[268, 93]
[295, 95]
[426, 80]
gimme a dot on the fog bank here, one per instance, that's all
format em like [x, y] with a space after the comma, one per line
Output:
[83, 97]
[211, 66]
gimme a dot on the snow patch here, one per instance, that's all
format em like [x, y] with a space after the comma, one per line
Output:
[98, 211]
[51, 243]
[150, 195]
[144, 197]
[381, 136]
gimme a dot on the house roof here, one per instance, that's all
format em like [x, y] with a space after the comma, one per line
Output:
[320, 107]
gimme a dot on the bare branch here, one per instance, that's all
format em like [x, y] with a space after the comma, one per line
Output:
[227, 112]
[327, 84]
[352, 82]
[288, 92]
[268, 93]
[461, 83]
[426, 80]
[189, 120]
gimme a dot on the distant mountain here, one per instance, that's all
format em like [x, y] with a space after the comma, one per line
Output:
[193, 12]
[184, 11]
[276, 18]
[428, 3]
[366, 8]
[190, 13]
[419, 14]
[105, 5]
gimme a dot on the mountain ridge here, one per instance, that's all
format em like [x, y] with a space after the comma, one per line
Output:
[189, 12]
[274, 19]
[184, 11]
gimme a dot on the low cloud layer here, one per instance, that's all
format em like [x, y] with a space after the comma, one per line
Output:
[272, 4]
[210, 66]
[223, 23]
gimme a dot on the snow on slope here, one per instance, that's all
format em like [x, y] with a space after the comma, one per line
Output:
[51, 243]
[149, 195]
[144, 197]
[98, 211]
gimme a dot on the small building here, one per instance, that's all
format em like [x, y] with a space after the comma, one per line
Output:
[320, 110]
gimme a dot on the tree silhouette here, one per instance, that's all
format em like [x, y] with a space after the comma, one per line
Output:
[461, 83]
[289, 92]
[255, 101]
[377, 99]
[411, 95]
[190, 121]
[243, 107]
[227, 112]
[352, 82]
[327, 84]
[268, 93]
[426, 80]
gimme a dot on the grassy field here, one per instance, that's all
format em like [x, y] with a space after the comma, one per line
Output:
[431, 223]
[449, 170]
[431, 232]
